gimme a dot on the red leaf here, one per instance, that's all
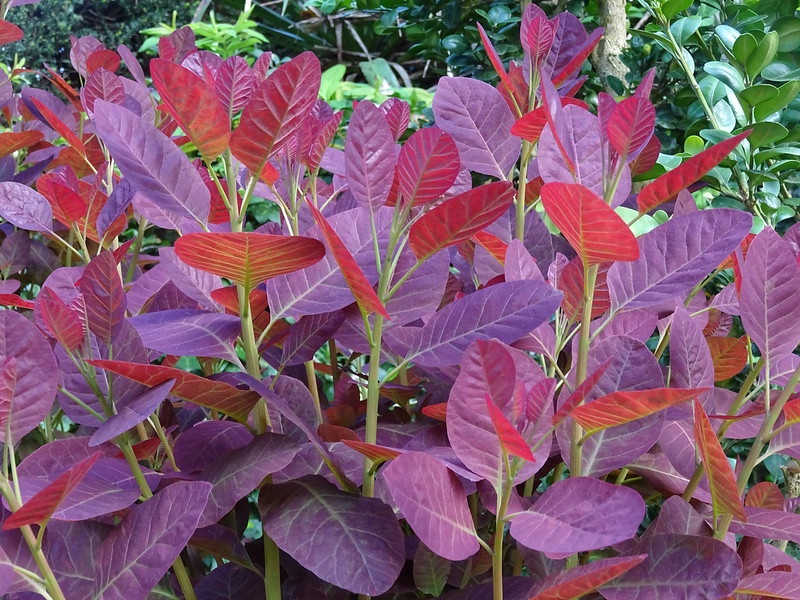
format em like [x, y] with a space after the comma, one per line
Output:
[591, 226]
[15, 300]
[724, 493]
[336, 433]
[510, 439]
[764, 494]
[102, 59]
[631, 125]
[530, 126]
[193, 103]
[579, 395]
[102, 84]
[61, 321]
[459, 218]
[690, 171]
[59, 126]
[619, 408]
[248, 258]
[353, 275]
[372, 451]
[575, 63]
[9, 33]
[208, 393]
[428, 165]
[68, 206]
[494, 58]
[42, 506]
[276, 111]
[729, 356]
[647, 157]
[570, 281]
[493, 245]
[586, 578]
[537, 37]
[436, 411]
[11, 141]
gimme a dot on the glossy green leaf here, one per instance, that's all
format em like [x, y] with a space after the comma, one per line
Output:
[788, 29]
[762, 55]
[726, 73]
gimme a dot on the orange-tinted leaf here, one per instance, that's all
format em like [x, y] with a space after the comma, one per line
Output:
[460, 218]
[764, 494]
[59, 126]
[586, 578]
[729, 356]
[618, 408]
[194, 105]
[529, 127]
[510, 439]
[248, 258]
[353, 275]
[372, 451]
[9, 33]
[208, 393]
[724, 493]
[436, 411]
[12, 141]
[42, 506]
[493, 245]
[690, 171]
[591, 226]
[577, 397]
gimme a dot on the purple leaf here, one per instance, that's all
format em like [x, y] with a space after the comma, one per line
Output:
[676, 256]
[689, 355]
[769, 303]
[14, 552]
[24, 207]
[433, 501]
[152, 163]
[678, 516]
[479, 121]
[130, 414]
[238, 472]
[222, 542]
[189, 333]
[312, 521]
[505, 311]
[579, 514]
[230, 581]
[768, 524]
[321, 288]
[198, 446]
[71, 549]
[104, 297]
[679, 567]
[421, 294]
[117, 203]
[308, 335]
[28, 377]
[370, 155]
[430, 571]
[136, 555]
[773, 584]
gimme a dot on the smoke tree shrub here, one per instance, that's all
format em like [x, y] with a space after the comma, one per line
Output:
[465, 361]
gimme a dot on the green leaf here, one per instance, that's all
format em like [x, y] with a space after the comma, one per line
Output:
[685, 28]
[724, 116]
[786, 94]
[756, 94]
[766, 133]
[726, 73]
[727, 35]
[763, 54]
[670, 8]
[331, 79]
[785, 69]
[745, 45]
[788, 29]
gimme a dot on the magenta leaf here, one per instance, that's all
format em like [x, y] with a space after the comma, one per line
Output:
[130, 414]
[678, 567]
[152, 163]
[769, 303]
[312, 520]
[505, 311]
[689, 355]
[676, 256]
[234, 84]
[27, 382]
[104, 297]
[71, 549]
[189, 332]
[479, 121]
[24, 207]
[433, 501]
[597, 514]
[370, 156]
[238, 472]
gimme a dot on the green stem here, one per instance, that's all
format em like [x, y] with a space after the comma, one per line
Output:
[311, 376]
[499, 532]
[523, 182]
[136, 249]
[373, 395]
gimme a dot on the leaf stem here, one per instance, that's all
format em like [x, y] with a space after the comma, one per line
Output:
[373, 396]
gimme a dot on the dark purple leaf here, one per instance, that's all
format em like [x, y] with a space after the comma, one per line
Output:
[505, 311]
[676, 256]
[229, 581]
[132, 413]
[136, 555]
[117, 203]
[152, 162]
[679, 567]
[312, 520]
[769, 303]
[478, 119]
[28, 377]
[430, 571]
[308, 335]
[433, 501]
[71, 549]
[238, 472]
[579, 514]
[370, 156]
[189, 333]
[197, 447]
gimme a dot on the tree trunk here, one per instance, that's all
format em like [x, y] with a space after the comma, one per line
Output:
[608, 52]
